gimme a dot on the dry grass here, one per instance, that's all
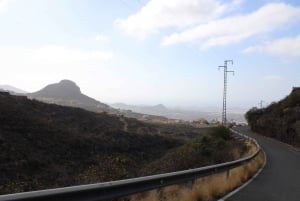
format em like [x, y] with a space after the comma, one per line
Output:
[217, 185]
[207, 188]
[251, 147]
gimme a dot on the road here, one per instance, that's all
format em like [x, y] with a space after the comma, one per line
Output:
[280, 179]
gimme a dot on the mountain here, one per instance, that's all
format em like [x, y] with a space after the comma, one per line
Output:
[280, 120]
[67, 93]
[47, 145]
[145, 109]
[210, 114]
[10, 88]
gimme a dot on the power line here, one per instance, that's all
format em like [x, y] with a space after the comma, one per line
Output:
[224, 116]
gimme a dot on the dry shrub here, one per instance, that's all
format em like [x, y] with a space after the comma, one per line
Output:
[168, 193]
[251, 147]
[236, 153]
[146, 196]
[207, 188]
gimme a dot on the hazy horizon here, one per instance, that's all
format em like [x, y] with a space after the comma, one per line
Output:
[173, 105]
[149, 52]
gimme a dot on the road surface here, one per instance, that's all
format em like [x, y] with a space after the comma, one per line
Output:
[280, 179]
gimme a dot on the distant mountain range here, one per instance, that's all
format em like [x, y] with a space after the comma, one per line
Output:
[67, 93]
[146, 109]
[12, 89]
[211, 114]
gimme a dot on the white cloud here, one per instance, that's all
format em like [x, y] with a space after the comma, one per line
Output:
[230, 30]
[3, 5]
[284, 47]
[102, 38]
[158, 14]
[63, 54]
[273, 78]
[52, 54]
[32, 68]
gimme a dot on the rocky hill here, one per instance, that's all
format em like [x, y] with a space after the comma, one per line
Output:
[280, 120]
[67, 93]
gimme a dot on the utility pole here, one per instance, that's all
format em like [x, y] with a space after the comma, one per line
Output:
[224, 117]
[261, 103]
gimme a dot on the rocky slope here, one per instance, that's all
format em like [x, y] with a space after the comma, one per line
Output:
[280, 120]
[47, 146]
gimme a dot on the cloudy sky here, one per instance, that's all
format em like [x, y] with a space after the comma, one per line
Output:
[153, 51]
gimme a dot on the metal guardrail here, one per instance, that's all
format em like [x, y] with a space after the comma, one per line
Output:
[121, 188]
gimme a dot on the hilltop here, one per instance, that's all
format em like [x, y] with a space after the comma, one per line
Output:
[280, 120]
[67, 93]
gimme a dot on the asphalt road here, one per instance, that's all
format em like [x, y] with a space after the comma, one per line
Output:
[280, 179]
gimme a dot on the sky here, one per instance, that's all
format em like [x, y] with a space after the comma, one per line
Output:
[154, 51]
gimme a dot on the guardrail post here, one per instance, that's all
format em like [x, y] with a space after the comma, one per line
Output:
[227, 174]
[190, 184]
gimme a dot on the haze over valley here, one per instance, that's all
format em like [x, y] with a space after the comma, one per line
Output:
[129, 52]
[67, 93]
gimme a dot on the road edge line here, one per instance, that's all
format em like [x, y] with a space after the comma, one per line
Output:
[289, 146]
[247, 182]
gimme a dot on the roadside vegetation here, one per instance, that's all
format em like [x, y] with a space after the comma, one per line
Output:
[46, 146]
[280, 120]
[207, 188]
[216, 146]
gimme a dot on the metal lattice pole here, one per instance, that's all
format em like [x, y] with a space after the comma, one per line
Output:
[224, 117]
[261, 103]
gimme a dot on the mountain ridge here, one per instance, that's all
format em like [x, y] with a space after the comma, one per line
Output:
[9, 88]
[67, 93]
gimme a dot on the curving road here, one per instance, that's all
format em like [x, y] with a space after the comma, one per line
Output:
[280, 179]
